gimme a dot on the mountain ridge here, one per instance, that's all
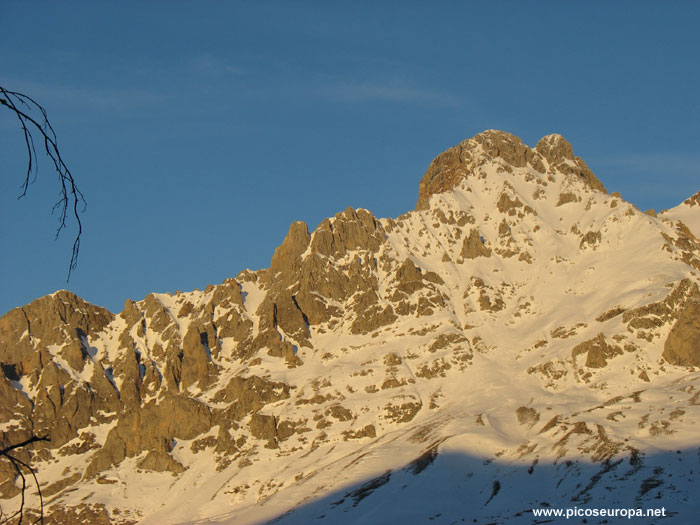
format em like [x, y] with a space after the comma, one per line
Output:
[364, 331]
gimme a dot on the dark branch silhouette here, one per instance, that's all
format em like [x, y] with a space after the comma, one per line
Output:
[18, 464]
[70, 197]
[34, 122]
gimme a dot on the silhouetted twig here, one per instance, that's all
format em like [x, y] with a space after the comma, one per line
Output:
[18, 464]
[70, 197]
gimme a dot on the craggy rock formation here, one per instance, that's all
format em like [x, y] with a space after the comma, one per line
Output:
[654, 316]
[683, 344]
[597, 351]
[560, 156]
[474, 246]
[152, 429]
[58, 319]
[29, 336]
[552, 153]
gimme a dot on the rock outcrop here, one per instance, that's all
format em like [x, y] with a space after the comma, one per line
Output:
[598, 351]
[682, 346]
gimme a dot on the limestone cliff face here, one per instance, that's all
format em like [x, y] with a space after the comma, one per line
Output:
[32, 338]
[360, 328]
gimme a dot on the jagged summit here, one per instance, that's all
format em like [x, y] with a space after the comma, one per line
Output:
[521, 325]
[553, 154]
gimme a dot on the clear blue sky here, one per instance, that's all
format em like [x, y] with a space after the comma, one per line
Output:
[198, 131]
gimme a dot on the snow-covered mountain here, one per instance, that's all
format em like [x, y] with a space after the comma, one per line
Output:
[523, 339]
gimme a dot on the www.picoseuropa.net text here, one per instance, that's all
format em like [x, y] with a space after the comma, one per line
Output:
[581, 512]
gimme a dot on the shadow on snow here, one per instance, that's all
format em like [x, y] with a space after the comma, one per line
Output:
[452, 488]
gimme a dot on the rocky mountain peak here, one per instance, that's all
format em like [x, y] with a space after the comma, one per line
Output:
[553, 154]
[55, 319]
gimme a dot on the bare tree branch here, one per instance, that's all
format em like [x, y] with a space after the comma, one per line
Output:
[70, 197]
[24, 443]
[18, 464]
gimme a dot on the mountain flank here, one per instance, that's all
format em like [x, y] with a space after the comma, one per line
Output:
[521, 323]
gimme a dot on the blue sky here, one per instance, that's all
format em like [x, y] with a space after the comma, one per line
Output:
[198, 131]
